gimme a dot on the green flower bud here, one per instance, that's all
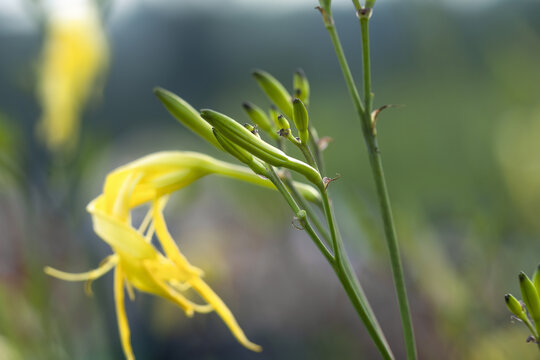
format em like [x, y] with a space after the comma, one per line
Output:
[301, 120]
[259, 118]
[530, 297]
[275, 91]
[187, 115]
[240, 154]
[284, 126]
[515, 307]
[273, 114]
[240, 136]
[536, 279]
[301, 86]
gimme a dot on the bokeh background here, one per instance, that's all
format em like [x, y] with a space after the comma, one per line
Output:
[462, 163]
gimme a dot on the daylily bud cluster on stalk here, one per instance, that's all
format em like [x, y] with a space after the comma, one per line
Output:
[243, 142]
[527, 311]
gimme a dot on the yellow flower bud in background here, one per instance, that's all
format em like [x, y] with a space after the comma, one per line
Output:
[74, 55]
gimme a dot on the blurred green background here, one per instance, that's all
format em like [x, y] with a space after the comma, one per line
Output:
[461, 157]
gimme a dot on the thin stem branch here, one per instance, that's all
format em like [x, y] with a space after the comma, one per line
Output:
[309, 210]
[347, 276]
[297, 211]
[314, 140]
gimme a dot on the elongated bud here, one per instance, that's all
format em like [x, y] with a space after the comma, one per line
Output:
[232, 149]
[301, 120]
[259, 118]
[240, 154]
[515, 307]
[536, 279]
[301, 86]
[187, 115]
[530, 297]
[283, 123]
[275, 91]
[273, 113]
[240, 136]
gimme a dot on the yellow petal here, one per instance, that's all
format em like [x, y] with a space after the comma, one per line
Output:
[160, 274]
[123, 325]
[106, 265]
[166, 240]
[124, 239]
[223, 311]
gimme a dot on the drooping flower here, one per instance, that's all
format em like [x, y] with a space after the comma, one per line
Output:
[74, 55]
[136, 262]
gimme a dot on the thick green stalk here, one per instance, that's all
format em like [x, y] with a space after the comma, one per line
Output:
[347, 276]
[384, 199]
[364, 115]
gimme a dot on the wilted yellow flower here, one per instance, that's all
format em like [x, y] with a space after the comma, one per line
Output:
[137, 263]
[74, 55]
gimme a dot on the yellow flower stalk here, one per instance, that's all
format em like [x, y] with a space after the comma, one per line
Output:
[74, 55]
[137, 263]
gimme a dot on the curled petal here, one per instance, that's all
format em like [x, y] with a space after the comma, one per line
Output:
[219, 306]
[123, 325]
[107, 264]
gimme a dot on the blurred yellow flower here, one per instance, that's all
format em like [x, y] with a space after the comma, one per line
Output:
[74, 55]
[138, 264]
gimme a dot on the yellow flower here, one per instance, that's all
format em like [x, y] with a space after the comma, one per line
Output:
[74, 55]
[137, 263]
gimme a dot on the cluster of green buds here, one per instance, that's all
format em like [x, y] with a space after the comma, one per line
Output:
[527, 310]
[244, 142]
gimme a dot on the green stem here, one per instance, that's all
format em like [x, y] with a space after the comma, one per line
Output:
[309, 210]
[314, 140]
[297, 210]
[342, 268]
[384, 198]
[347, 276]
[376, 165]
